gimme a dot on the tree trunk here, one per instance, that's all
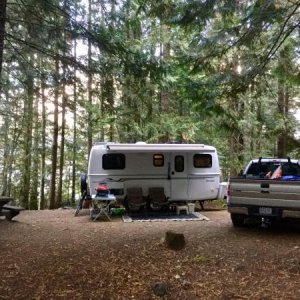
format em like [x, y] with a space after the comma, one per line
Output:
[10, 167]
[14, 143]
[236, 139]
[74, 156]
[28, 116]
[43, 152]
[165, 53]
[110, 100]
[63, 118]
[283, 99]
[110, 81]
[2, 32]
[55, 139]
[4, 176]
[62, 150]
[89, 83]
[283, 106]
[236, 148]
[33, 199]
[6, 151]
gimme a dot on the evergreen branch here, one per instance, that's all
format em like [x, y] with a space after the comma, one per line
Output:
[271, 91]
[277, 44]
[55, 55]
[281, 37]
[49, 25]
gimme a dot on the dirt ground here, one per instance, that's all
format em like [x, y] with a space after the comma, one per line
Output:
[54, 255]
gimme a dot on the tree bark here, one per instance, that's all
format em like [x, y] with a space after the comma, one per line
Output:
[74, 158]
[89, 83]
[63, 117]
[5, 162]
[28, 126]
[3, 4]
[165, 53]
[55, 139]
[6, 151]
[62, 150]
[283, 100]
[33, 199]
[283, 105]
[43, 152]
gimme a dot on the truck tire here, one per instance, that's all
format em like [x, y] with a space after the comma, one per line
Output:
[238, 220]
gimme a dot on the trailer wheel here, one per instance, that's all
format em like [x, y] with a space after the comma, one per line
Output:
[238, 220]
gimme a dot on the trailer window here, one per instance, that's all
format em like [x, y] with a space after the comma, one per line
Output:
[202, 161]
[113, 161]
[158, 160]
[179, 163]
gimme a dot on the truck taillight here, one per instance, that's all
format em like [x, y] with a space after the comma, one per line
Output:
[228, 191]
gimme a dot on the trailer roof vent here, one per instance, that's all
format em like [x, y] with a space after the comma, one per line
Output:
[141, 143]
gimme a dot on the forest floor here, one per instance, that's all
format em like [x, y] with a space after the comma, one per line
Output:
[54, 255]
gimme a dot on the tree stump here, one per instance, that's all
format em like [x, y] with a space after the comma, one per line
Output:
[174, 240]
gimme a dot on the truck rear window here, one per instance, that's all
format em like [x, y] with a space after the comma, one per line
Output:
[262, 169]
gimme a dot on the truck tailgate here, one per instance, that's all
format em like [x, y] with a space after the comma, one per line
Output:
[264, 192]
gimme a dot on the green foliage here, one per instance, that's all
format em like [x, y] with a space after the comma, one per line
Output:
[224, 73]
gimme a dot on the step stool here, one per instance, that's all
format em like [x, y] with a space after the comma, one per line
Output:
[180, 208]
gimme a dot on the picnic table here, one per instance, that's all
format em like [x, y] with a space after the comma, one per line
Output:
[8, 211]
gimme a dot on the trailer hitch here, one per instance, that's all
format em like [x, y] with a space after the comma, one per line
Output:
[265, 223]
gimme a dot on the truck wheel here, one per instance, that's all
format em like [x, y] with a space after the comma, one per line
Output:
[238, 220]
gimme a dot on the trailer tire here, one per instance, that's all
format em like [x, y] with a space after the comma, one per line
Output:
[238, 220]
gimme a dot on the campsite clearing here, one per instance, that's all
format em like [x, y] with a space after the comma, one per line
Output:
[54, 255]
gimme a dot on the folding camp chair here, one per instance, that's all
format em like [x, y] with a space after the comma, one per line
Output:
[134, 198]
[157, 198]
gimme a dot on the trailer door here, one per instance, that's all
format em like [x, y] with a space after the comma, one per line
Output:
[178, 177]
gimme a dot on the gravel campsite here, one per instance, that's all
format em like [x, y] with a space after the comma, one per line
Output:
[51, 254]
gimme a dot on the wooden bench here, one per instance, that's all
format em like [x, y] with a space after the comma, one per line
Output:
[8, 211]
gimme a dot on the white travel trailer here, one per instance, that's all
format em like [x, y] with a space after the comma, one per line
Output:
[187, 172]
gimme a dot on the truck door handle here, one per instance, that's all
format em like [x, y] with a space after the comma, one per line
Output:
[265, 185]
[265, 192]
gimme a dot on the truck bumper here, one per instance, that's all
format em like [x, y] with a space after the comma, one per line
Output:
[238, 210]
[291, 214]
[277, 212]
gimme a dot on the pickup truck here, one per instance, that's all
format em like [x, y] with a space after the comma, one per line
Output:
[268, 189]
